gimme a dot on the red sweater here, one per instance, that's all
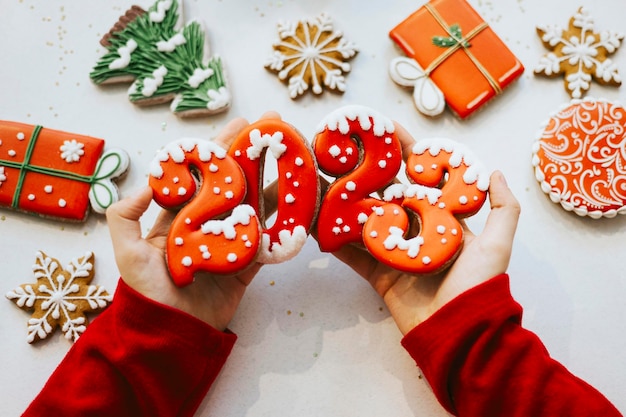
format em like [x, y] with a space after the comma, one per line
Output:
[140, 358]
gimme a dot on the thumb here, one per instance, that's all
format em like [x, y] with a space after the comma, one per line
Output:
[505, 210]
[123, 217]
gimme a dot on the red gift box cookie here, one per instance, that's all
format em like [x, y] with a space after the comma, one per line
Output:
[454, 55]
[56, 174]
[580, 161]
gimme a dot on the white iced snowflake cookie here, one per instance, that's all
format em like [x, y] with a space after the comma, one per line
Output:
[60, 297]
[311, 54]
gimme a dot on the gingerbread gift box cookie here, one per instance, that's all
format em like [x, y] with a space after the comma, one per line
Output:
[57, 174]
[580, 158]
[579, 54]
[60, 297]
[453, 57]
[164, 62]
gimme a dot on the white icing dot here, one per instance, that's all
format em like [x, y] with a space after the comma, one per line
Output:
[31, 197]
[216, 190]
[350, 186]
[442, 205]
[213, 168]
[454, 232]
[374, 233]
[296, 184]
[48, 189]
[187, 220]
[165, 191]
[179, 241]
[175, 180]
[396, 212]
[434, 166]
[346, 228]
[382, 164]
[229, 194]
[231, 257]
[62, 203]
[463, 199]
[349, 151]
[299, 161]
[289, 175]
[20, 136]
[186, 261]
[389, 155]
[441, 229]
[362, 218]
[334, 151]
[244, 237]
[339, 220]
[426, 260]
[419, 168]
[182, 191]
[206, 255]
[343, 159]
[203, 248]
[336, 230]
[12, 152]
[475, 198]
[444, 241]
[237, 152]
[292, 220]
[228, 180]
[289, 198]
[344, 196]
[388, 140]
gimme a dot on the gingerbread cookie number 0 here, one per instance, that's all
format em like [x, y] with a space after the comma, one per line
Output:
[298, 185]
[358, 146]
[449, 184]
[200, 239]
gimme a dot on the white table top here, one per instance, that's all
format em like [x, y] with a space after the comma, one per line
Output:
[318, 341]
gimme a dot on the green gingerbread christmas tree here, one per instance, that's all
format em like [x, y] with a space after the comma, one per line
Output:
[164, 62]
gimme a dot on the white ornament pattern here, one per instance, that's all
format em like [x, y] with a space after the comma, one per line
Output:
[3, 176]
[312, 54]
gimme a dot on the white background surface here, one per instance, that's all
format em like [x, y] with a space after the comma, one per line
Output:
[319, 341]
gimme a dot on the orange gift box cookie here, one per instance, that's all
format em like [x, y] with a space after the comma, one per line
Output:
[579, 158]
[57, 174]
[452, 55]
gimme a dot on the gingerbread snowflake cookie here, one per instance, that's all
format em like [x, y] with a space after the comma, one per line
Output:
[580, 54]
[311, 54]
[579, 158]
[165, 61]
[60, 297]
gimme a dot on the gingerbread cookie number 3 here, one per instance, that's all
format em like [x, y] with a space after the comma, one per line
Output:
[358, 146]
[449, 183]
[298, 185]
[200, 238]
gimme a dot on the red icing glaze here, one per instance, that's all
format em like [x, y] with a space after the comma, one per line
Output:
[358, 146]
[298, 187]
[200, 238]
[438, 202]
[46, 193]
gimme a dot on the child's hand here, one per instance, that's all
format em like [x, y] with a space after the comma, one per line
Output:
[411, 299]
[141, 260]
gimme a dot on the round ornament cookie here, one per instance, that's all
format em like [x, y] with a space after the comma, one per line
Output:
[580, 158]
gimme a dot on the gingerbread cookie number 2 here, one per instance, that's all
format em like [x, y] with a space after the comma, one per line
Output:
[449, 183]
[298, 186]
[358, 146]
[200, 239]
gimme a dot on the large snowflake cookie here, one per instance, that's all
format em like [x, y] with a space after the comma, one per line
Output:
[311, 54]
[165, 61]
[580, 158]
[60, 297]
[453, 57]
[580, 54]
[57, 174]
